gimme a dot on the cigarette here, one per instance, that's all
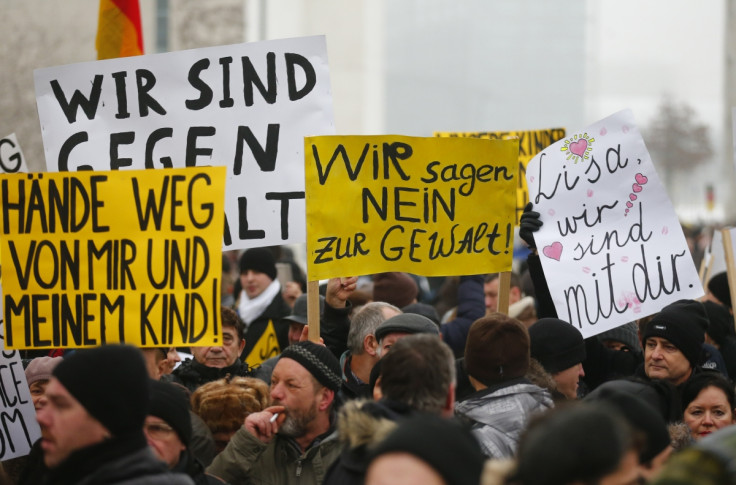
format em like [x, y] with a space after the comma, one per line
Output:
[274, 418]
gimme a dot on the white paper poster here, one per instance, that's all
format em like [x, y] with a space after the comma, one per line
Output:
[611, 245]
[246, 106]
[11, 156]
[18, 426]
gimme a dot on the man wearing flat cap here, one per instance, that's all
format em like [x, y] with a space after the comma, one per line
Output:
[92, 426]
[396, 327]
[294, 440]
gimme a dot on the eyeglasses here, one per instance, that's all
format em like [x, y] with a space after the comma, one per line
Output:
[158, 430]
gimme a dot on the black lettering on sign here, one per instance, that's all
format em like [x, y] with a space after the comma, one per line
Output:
[392, 155]
[12, 420]
[15, 157]
[88, 104]
[264, 157]
[251, 78]
[284, 197]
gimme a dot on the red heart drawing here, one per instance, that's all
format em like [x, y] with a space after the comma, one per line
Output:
[629, 205]
[553, 251]
[578, 147]
[636, 188]
[641, 179]
[632, 197]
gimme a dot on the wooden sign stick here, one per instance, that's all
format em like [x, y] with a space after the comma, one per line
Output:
[730, 263]
[313, 310]
[504, 287]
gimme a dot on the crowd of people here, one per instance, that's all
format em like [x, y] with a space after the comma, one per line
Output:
[413, 381]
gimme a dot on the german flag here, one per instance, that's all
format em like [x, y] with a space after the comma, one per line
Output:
[119, 32]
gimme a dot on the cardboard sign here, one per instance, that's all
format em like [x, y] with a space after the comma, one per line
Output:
[11, 156]
[531, 142]
[429, 206]
[246, 107]
[112, 257]
[18, 426]
[611, 246]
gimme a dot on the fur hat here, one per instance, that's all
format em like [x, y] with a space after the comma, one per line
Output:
[398, 289]
[40, 369]
[718, 286]
[497, 349]
[169, 402]
[683, 324]
[259, 259]
[111, 382]
[556, 344]
[225, 403]
[318, 360]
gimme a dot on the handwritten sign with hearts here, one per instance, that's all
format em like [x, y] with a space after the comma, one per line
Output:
[611, 245]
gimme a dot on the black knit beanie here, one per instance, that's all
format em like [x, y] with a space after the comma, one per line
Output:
[720, 321]
[641, 416]
[718, 285]
[259, 259]
[683, 324]
[441, 443]
[111, 382]
[318, 360]
[170, 403]
[556, 344]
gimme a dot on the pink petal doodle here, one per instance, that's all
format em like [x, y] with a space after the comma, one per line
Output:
[590, 193]
[625, 129]
[624, 259]
[551, 212]
[553, 251]
[578, 147]
[586, 270]
[603, 131]
[636, 188]
[632, 197]
[641, 179]
[531, 179]
[626, 212]
[629, 205]
[665, 230]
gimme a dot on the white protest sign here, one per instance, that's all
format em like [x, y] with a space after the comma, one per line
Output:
[11, 156]
[18, 426]
[611, 245]
[246, 106]
[717, 254]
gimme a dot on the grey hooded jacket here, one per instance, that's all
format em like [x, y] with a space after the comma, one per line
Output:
[499, 414]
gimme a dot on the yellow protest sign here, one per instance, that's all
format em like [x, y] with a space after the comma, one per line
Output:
[429, 206]
[531, 143]
[107, 257]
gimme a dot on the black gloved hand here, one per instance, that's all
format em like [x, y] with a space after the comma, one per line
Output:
[528, 225]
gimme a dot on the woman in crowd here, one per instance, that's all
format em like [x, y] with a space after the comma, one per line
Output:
[708, 404]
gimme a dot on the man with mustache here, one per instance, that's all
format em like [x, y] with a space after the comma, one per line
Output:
[294, 440]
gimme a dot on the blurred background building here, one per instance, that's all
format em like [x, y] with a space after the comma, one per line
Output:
[414, 67]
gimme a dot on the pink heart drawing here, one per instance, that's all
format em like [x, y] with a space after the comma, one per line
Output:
[625, 129]
[590, 193]
[641, 179]
[603, 131]
[632, 197]
[551, 212]
[629, 205]
[636, 188]
[578, 147]
[553, 251]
